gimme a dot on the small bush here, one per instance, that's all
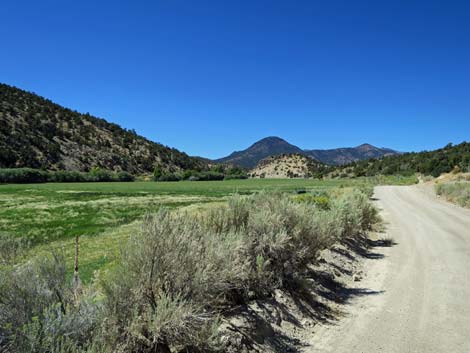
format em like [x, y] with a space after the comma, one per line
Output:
[11, 247]
[39, 311]
[320, 201]
[124, 176]
[169, 177]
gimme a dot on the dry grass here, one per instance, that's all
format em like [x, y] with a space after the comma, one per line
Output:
[456, 191]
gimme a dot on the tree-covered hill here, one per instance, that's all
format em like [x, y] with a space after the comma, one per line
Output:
[432, 163]
[37, 133]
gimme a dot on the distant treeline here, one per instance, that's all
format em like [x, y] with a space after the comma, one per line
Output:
[29, 175]
[218, 172]
[432, 163]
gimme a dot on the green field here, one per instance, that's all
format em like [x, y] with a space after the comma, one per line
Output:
[49, 216]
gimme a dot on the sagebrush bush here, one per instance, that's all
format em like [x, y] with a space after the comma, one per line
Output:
[177, 275]
[11, 247]
[39, 311]
[172, 269]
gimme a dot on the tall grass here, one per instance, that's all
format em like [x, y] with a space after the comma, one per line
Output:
[178, 275]
[458, 192]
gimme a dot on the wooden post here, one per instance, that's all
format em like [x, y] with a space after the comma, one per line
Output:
[76, 283]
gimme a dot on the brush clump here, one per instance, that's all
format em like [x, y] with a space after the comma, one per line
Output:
[179, 274]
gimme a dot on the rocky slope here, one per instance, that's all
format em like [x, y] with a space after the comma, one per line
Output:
[288, 166]
[37, 133]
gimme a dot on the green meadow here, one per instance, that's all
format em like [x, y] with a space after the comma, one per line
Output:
[49, 216]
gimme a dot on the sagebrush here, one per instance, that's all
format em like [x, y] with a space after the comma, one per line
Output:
[177, 276]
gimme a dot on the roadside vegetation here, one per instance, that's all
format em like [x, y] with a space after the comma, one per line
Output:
[456, 191]
[50, 215]
[176, 275]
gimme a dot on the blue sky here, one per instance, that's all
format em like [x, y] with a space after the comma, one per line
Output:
[210, 77]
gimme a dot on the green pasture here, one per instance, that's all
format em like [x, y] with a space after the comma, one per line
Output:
[49, 216]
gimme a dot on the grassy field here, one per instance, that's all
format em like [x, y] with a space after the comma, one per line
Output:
[49, 216]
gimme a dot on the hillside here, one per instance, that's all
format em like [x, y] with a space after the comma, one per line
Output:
[288, 166]
[37, 133]
[341, 156]
[272, 146]
[433, 163]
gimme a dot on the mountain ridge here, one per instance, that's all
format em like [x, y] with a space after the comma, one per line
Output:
[273, 145]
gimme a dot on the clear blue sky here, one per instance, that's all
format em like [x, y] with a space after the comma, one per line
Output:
[208, 77]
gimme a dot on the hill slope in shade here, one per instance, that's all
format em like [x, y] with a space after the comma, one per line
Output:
[293, 165]
[272, 146]
[37, 133]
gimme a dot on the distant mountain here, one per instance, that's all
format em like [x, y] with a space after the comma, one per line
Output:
[292, 165]
[340, 156]
[37, 133]
[272, 146]
[269, 146]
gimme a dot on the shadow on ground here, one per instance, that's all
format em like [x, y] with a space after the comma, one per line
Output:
[272, 324]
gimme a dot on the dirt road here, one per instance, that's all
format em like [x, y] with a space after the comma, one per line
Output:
[418, 290]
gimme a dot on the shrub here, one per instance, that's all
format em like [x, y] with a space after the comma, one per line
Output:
[177, 275]
[64, 176]
[169, 177]
[458, 192]
[97, 174]
[354, 212]
[39, 311]
[11, 247]
[172, 276]
[23, 176]
[124, 176]
[321, 201]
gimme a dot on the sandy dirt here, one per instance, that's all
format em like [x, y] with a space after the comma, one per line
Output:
[416, 292]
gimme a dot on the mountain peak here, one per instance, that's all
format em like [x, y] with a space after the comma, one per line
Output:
[273, 146]
[266, 147]
[271, 140]
[366, 145]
